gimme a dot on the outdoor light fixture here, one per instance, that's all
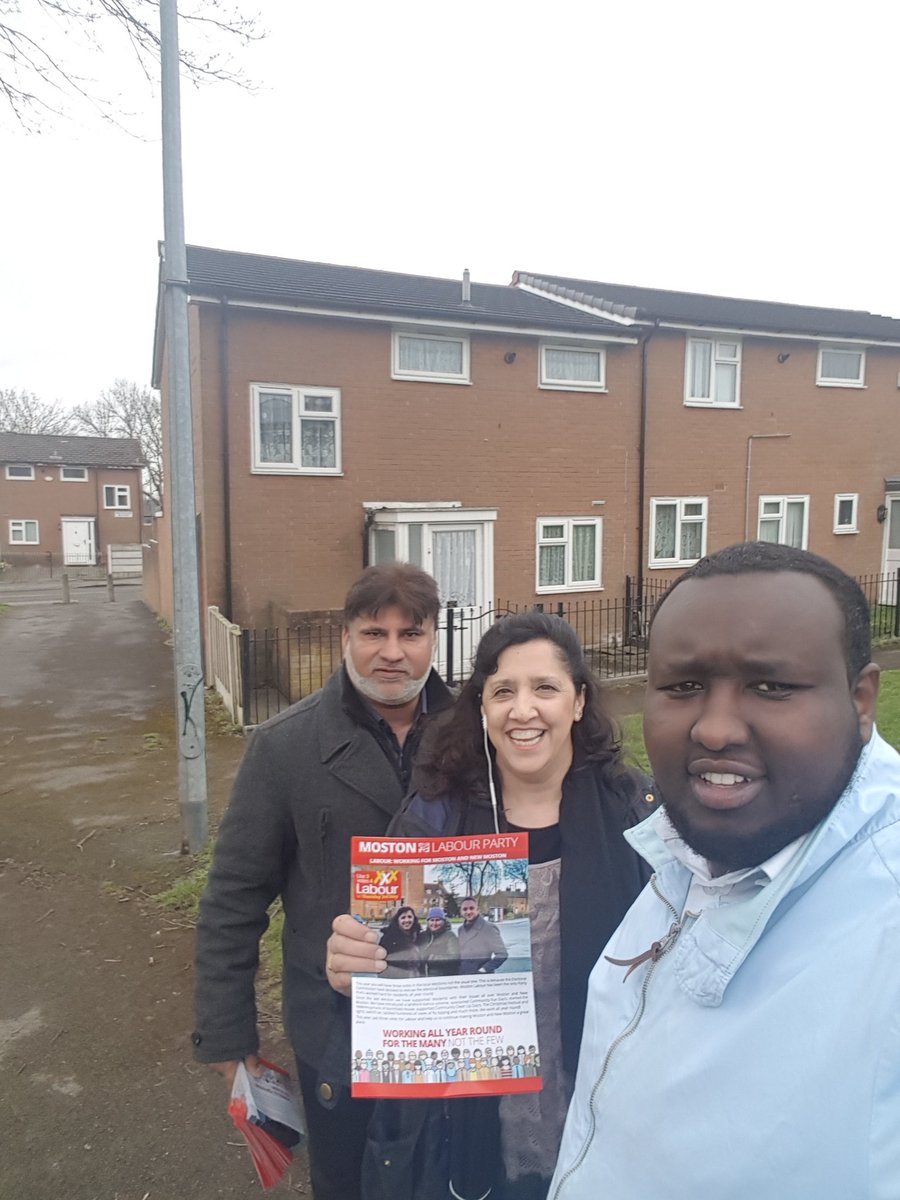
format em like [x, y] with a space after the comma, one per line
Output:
[881, 513]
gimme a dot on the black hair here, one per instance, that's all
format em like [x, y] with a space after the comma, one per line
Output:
[747, 557]
[393, 585]
[451, 758]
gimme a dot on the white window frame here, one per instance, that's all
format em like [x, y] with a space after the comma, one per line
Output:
[852, 526]
[568, 540]
[297, 394]
[716, 356]
[82, 478]
[118, 489]
[553, 384]
[20, 525]
[681, 518]
[823, 380]
[19, 467]
[397, 372]
[784, 501]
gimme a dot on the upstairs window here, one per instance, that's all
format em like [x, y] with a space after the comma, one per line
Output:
[116, 495]
[73, 474]
[296, 430]
[845, 509]
[841, 366]
[784, 519]
[677, 531]
[568, 553]
[571, 368]
[430, 356]
[713, 373]
[23, 533]
[19, 472]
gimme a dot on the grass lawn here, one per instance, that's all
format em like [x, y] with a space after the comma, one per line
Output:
[888, 721]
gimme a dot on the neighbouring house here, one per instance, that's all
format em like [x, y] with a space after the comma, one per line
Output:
[760, 420]
[64, 500]
[539, 442]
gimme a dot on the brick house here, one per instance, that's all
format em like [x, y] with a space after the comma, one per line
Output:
[345, 416]
[538, 442]
[66, 499]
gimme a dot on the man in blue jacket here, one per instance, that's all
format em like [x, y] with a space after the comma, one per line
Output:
[743, 1027]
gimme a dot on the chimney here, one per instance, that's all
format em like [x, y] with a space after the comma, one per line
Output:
[466, 288]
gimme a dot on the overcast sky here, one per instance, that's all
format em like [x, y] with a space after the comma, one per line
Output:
[745, 150]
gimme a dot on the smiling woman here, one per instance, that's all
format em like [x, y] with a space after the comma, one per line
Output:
[527, 747]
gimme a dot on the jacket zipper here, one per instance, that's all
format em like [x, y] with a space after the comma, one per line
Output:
[665, 944]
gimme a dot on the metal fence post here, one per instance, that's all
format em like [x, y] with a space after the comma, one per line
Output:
[245, 675]
[65, 588]
[110, 587]
[450, 647]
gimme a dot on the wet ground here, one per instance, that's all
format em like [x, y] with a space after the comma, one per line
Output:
[99, 1097]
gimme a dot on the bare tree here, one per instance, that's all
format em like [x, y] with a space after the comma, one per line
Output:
[23, 412]
[127, 410]
[44, 44]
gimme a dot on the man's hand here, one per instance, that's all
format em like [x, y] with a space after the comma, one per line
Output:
[228, 1070]
[351, 948]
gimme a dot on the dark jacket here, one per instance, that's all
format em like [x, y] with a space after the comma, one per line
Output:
[601, 876]
[481, 947]
[312, 777]
[439, 951]
[403, 958]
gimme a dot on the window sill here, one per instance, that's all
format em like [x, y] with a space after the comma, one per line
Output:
[841, 383]
[298, 472]
[573, 387]
[561, 589]
[840, 532]
[432, 379]
[656, 565]
[710, 404]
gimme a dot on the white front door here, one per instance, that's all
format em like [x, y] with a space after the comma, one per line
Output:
[79, 543]
[891, 562]
[456, 546]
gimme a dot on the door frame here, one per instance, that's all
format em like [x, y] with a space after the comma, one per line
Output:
[91, 523]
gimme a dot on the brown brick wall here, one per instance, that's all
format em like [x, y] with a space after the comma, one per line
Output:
[499, 443]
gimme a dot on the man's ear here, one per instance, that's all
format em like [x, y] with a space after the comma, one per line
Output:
[865, 698]
[345, 637]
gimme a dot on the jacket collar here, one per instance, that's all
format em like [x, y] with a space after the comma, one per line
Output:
[711, 948]
[348, 748]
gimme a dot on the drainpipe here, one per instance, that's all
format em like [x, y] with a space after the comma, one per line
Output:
[224, 381]
[642, 461]
[753, 437]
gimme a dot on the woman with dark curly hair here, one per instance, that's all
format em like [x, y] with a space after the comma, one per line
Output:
[400, 940]
[528, 746]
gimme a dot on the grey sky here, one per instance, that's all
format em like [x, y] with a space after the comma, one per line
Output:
[748, 151]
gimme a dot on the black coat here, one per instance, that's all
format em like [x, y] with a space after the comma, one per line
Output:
[312, 777]
[600, 878]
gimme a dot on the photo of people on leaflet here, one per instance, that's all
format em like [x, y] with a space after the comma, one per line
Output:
[470, 935]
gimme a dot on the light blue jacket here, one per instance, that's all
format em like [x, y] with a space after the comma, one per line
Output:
[759, 1057]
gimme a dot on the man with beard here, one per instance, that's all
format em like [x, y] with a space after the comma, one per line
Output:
[743, 1026]
[335, 765]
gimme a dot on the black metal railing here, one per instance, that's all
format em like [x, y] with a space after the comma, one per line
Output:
[281, 666]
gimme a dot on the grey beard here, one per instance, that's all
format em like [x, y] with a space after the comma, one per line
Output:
[371, 690]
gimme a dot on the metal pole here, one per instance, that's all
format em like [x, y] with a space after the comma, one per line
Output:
[189, 698]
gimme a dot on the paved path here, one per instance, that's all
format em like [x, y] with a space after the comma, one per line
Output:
[99, 1099]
